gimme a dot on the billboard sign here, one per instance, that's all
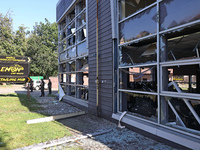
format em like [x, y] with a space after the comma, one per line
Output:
[14, 69]
[13, 79]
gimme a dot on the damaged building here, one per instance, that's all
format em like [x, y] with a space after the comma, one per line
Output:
[140, 57]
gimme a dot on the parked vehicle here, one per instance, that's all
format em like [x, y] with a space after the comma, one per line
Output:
[36, 85]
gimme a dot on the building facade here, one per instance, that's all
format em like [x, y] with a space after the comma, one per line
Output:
[135, 56]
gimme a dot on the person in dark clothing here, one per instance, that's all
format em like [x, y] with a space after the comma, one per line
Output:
[42, 88]
[49, 86]
[31, 85]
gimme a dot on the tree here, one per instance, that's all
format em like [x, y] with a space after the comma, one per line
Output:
[20, 41]
[6, 35]
[41, 47]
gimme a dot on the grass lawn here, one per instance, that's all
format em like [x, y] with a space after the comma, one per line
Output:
[15, 109]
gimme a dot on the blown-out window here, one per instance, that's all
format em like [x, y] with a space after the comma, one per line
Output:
[73, 52]
[159, 62]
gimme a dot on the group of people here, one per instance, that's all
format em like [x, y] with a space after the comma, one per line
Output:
[42, 87]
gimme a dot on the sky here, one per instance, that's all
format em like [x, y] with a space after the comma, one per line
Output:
[27, 12]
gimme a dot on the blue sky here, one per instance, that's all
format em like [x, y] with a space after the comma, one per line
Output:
[27, 12]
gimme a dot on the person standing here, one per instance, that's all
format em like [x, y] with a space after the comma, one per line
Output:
[42, 88]
[31, 85]
[49, 86]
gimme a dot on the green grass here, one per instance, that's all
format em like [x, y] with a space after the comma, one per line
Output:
[15, 110]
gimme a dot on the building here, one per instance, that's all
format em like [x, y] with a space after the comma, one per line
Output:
[138, 56]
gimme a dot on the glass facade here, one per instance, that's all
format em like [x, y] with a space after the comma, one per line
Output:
[73, 52]
[159, 64]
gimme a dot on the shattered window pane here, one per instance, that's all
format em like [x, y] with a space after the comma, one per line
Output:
[128, 7]
[63, 56]
[71, 28]
[182, 78]
[82, 65]
[180, 115]
[64, 88]
[72, 53]
[71, 16]
[81, 34]
[141, 105]
[81, 49]
[80, 6]
[82, 93]
[139, 26]
[138, 54]
[71, 40]
[72, 64]
[81, 20]
[175, 12]
[182, 47]
[64, 67]
[72, 90]
[139, 78]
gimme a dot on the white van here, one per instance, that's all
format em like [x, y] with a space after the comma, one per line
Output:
[36, 85]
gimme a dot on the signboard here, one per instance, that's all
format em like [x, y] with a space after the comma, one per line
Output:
[11, 69]
[13, 79]
[14, 69]
[178, 78]
[13, 59]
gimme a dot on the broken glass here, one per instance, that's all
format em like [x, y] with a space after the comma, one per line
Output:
[81, 34]
[81, 49]
[72, 53]
[64, 88]
[71, 28]
[182, 113]
[71, 16]
[80, 6]
[81, 20]
[82, 92]
[139, 26]
[186, 46]
[141, 105]
[62, 25]
[63, 56]
[64, 45]
[60, 47]
[72, 66]
[63, 66]
[128, 7]
[82, 64]
[182, 78]
[139, 78]
[137, 53]
[175, 12]
[71, 40]
[72, 90]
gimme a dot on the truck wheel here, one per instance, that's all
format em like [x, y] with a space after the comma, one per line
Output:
[37, 88]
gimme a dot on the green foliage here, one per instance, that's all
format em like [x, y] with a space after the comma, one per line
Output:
[20, 41]
[6, 34]
[41, 45]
